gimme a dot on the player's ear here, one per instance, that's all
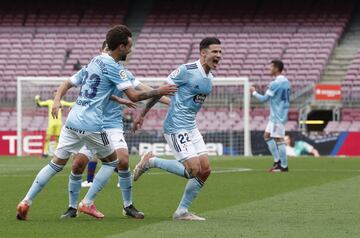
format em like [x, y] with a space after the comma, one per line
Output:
[120, 47]
[203, 52]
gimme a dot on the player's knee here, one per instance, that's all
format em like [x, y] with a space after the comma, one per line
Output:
[194, 170]
[192, 167]
[123, 159]
[206, 172]
[78, 167]
[123, 164]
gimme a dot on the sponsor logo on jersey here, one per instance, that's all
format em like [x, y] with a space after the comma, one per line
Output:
[82, 102]
[199, 98]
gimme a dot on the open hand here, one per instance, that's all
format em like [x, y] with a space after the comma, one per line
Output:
[129, 104]
[55, 109]
[252, 89]
[137, 124]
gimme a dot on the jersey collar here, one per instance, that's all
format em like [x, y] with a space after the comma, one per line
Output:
[106, 55]
[280, 76]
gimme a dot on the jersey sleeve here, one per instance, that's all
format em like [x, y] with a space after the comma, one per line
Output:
[43, 103]
[308, 148]
[67, 104]
[79, 77]
[119, 77]
[178, 76]
[272, 88]
[135, 83]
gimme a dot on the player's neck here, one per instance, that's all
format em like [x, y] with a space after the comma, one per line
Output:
[115, 56]
[277, 74]
[205, 67]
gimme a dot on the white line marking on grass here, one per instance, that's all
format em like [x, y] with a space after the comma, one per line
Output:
[220, 171]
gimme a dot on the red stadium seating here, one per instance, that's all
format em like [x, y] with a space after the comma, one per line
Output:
[298, 33]
[351, 84]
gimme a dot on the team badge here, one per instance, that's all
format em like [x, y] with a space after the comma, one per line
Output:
[199, 98]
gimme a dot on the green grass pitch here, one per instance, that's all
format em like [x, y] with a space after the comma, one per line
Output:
[317, 198]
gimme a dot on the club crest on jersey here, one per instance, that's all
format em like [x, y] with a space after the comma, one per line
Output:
[175, 73]
[123, 75]
[200, 98]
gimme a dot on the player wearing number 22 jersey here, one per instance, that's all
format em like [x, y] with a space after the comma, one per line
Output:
[194, 86]
[194, 83]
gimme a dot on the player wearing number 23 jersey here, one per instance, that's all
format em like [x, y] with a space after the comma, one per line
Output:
[84, 124]
[97, 82]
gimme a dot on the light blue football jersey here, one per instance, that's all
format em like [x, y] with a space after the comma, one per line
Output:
[193, 86]
[113, 112]
[97, 81]
[279, 92]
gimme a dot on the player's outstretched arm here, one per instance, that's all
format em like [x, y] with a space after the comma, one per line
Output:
[40, 103]
[164, 99]
[123, 101]
[315, 152]
[67, 104]
[311, 150]
[61, 91]
[258, 96]
[140, 119]
[136, 96]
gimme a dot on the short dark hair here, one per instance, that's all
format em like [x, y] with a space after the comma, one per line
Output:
[104, 45]
[206, 42]
[118, 35]
[278, 64]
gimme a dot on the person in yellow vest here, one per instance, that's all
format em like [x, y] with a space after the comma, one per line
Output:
[54, 125]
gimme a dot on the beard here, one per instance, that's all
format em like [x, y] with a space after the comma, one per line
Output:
[123, 57]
